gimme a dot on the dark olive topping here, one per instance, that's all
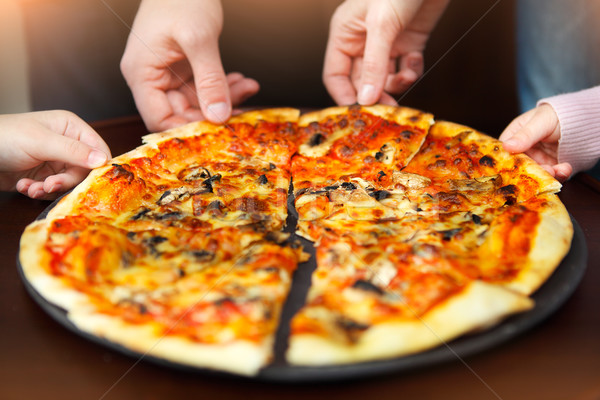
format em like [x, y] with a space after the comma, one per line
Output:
[380, 194]
[406, 134]
[269, 269]
[350, 326]
[302, 191]
[348, 185]
[154, 240]
[140, 214]
[224, 300]
[316, 139]
[379, 156]
[272, 166]
[276, 237]
[203, 255]
[263, 179]
[164, 195]
[476, 219]
[208, 183]
[170, 215]
[487, 161]
[193, 174]
[449, 233]
[332, 187]
[381, 174]
[367, 286]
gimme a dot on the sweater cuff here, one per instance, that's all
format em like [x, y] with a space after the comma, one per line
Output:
[579, 118]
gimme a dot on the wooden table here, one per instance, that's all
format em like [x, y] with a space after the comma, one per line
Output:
[39, 358]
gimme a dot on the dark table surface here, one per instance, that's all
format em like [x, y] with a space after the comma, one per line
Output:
[557, 359]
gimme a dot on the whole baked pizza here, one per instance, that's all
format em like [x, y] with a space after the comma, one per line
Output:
[423, 231]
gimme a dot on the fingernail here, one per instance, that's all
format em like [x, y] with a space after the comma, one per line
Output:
[55, 188]
[96, 159]
[218, 112]
[512, 142]
[366, 94]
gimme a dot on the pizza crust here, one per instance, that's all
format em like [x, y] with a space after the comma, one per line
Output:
[478, 306]
[240, 357]
[551, 243]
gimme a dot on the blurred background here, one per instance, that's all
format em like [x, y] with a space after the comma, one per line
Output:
[65, 54]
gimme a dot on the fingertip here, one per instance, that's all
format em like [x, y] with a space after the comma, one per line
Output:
[218, 112]
[511, 144]
[36, 190]
[96, 159]
[563, 171]
[367, 95]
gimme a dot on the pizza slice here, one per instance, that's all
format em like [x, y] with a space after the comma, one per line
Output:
[206, 299]
[387, 299]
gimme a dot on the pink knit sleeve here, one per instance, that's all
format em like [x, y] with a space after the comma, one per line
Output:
[579, 118]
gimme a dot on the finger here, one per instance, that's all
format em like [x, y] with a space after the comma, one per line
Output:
[241, 90]
[209, 78]
[387, 99]
[23, 185]
[524, 131]
[336, 74]
[378, 47]
[234, 77]
[67, 149]
[411, 68]
[71, 126]
[64, 181]
[36, 191]
[562, 171]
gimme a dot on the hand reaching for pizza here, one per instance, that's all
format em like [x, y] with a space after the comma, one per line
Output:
[536, 133]
[173, 66]
[47, 152]
[375, 48]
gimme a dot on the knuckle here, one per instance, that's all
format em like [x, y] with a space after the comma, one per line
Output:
[209, 80]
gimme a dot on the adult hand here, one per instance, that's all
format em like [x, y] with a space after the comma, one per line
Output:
[47, 152]
[173, 66]
[536, 133]
[375, 48]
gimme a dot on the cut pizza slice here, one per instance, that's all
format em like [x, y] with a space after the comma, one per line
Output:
[174, 179]
[370, 302]
[266, 135]
[457, 158]
[347, 154]
[341, 142]
[205, 299]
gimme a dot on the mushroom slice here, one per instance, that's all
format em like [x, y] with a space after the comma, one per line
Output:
[409, 180]
[180, 193]
[481, 184]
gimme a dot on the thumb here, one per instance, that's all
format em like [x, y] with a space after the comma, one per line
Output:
[529, 129]
[209, 79]
[70, 151]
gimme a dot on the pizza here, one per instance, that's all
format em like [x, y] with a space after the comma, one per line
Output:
[185, 248]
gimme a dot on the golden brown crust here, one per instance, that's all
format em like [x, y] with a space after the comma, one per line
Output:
[478, 306]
